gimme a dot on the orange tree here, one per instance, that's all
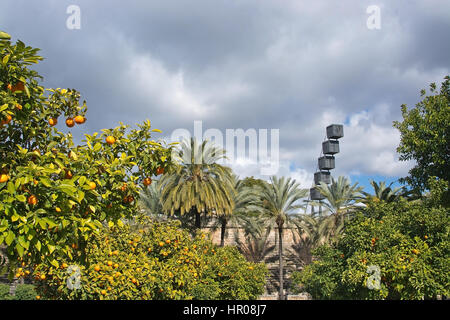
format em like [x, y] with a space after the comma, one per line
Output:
[396, 250]
[153, 260]
[54, 195]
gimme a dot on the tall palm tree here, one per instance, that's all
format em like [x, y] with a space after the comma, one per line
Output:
[255, 243]
[244, 199]
[385, 193]
[310, 235]
[199, 184]
[281, 199]
[341, 199]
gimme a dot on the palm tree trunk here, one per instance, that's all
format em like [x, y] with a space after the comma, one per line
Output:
[280, 256]
[222, 232]
[197, 218]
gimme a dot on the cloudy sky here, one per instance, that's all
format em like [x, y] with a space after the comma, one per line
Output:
[291, 65]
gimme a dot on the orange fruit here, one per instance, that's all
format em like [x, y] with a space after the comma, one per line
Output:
[116, 265]
[18, 106]
[80, 119]
[18, 87]
[68, 175]
[42, 277]
[147, 182]
[7, 120]
[32, 200]
[69, 122]
[159, 170]
[97, 268]
[38, 297]
[9, 86]
[58, 209]
[103, 292]
[64, 265]
[4, 178]
[53, 122]
[133, 280]
[92, 185]
[110, 140]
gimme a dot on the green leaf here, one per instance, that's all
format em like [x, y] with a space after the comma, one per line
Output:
[24, 243]
[11, 188]
[38, 245]
[4, 107]
[15, 217]
[82, 180]
[10, 238]
[54, 263]
[97, 147]
[45, 181]
[21, 198]
[81, 195]
[19, 249]
[51, 248]
[5, 59]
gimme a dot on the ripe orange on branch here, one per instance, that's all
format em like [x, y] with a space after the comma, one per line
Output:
[18, 87]
[53, 122]
[110, 140]
[4, 178]
[69, 122]
[159, 170]
[80, 119]
[7, 120]
[32, 200]
[147, 182]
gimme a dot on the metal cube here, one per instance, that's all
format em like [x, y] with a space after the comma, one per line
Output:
[326, 163]
[330, 147]
[315, 194]
[335, 131]
[322, 176]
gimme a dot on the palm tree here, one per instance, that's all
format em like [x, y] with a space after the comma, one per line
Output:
[310, 235]
[255, 243]
[341, 199]
[244, 199]
[150, 202]
[385, 193]
[198, 185]
[280, 199]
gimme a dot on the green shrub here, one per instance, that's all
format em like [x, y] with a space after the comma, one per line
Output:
[154, 260]
[25, 292]
[408, 243]
[4, 292]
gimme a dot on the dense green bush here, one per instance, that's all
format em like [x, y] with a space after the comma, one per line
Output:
[4, 292]
[408, 243]
[154, 260]
[25, 292]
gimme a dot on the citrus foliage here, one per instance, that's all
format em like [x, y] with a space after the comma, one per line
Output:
[54, 195]
[425, 135]
[408, 242]
[153, 260]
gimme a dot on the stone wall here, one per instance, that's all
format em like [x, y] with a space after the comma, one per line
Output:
[292, 259]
